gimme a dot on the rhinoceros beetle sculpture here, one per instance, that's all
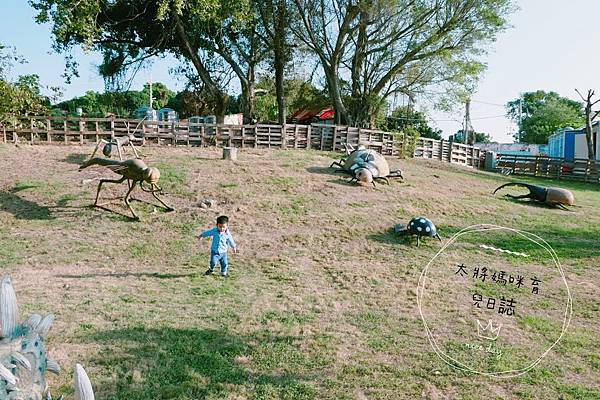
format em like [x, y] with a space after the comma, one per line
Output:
[418, 226]
[365, 166]
[554, 197]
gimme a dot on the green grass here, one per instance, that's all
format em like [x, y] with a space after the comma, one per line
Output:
[12, 250]
[321, 298]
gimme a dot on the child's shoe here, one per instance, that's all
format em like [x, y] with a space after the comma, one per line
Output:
[208, 272]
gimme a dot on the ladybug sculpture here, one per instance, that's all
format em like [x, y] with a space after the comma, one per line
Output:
[419, 226]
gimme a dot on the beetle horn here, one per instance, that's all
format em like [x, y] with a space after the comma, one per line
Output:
[526, 185]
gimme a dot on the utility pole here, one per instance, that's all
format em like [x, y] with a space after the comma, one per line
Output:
[150, 89]
[467, 124]
[520, 115]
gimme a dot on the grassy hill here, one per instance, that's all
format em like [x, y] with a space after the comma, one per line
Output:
[321, 301]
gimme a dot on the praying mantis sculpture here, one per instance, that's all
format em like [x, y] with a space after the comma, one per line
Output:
[134, 171]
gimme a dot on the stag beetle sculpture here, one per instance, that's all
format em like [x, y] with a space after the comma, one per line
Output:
[365, 166]
[554, 197]
[134, 171]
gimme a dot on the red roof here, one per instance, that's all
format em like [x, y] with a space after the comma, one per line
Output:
[306, 114]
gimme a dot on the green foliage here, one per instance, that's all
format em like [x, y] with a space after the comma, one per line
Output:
[404, 116]
[382, 51]
[480, 137]
[96, 104]
[542, 113]
[19, 97]
[409, 141]
[299, 94]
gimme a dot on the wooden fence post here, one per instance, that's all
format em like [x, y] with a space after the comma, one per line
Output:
[48, 130]
[333, 147]
[31, 126]
[296, 136]
[112, 128]
[173, 137]
[587, 169]
[81, 125]
[322, 138]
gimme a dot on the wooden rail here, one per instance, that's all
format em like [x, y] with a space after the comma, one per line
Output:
[444, 150]
[75, 130]
[324, 137]
[579, 169]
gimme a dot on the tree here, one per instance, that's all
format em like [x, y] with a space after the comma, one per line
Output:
[396, 46]
[161, 95]
[405, 116]
[275, 20]
[22, 96]
[96, 104]
[541, 114]
[128, 32]
[300, 94]
[480, 137]
[589, 118]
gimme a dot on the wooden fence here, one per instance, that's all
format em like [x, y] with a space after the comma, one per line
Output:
[444, 150]
[74, 130]
[316, 136]
[550, 167]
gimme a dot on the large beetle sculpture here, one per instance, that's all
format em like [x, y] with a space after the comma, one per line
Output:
[554, 197]
[365, 166]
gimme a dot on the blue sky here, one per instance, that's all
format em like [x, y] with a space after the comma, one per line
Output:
[552, 46]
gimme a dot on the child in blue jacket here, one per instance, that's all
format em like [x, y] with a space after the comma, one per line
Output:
[221, 241]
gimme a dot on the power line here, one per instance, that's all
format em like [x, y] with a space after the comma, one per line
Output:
[446, 120]
[488, 103]
[492, 116]
[472, 101]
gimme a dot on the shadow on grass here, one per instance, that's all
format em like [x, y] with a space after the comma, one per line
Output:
[127, 274]
[326, 171]
[534, 203]
[21, 208]
[188, 364]
[391, 237]
[75, 158]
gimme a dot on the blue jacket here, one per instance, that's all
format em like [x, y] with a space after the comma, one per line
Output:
[221, 241]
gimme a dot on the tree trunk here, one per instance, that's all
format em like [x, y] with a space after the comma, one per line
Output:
[220, 98]
[588, 135]
[280, 58]
[333, 87]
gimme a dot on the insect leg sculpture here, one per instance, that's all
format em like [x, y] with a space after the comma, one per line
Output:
[120, 142]
[552, 196]
[134, 171]
[349, 150]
